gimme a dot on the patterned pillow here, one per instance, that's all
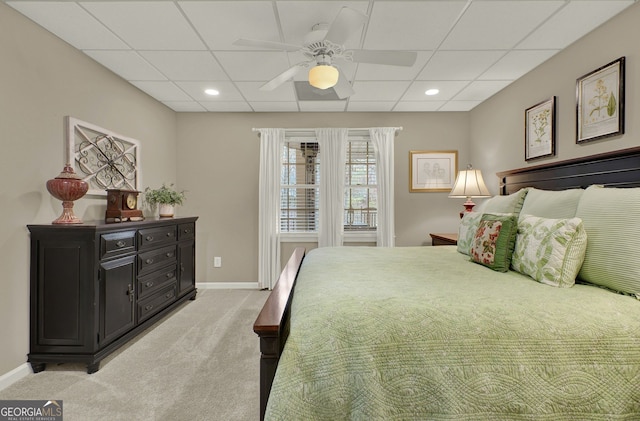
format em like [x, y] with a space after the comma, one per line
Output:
[494, 241]
[551, 251]
[467, 230]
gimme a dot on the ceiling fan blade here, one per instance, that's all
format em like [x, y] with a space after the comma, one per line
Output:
[343, 88]
[345, 24]
[269, 45]
[281, 78]
[393, 58]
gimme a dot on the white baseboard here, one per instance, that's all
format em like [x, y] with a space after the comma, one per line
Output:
[226, 285]
[14, 375]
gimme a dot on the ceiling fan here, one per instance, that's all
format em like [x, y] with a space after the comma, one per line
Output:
[322, 46]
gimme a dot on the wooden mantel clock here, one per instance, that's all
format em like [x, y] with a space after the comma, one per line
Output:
[122, 205]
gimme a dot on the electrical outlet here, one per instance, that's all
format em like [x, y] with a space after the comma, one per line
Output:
[217, 262]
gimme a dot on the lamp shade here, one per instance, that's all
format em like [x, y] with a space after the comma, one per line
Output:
[469, 183]
[323, 76]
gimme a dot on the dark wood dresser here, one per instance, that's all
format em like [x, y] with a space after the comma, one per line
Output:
[95, 286]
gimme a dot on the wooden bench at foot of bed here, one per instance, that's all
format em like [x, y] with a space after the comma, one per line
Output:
[272, 324]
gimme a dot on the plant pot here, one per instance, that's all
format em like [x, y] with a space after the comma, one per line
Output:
[166, 210]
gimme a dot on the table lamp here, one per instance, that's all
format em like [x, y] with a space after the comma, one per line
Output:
[469, 183]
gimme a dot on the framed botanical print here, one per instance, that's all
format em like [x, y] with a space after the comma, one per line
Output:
[539, 133]
[600, 102]
[104, 159]
[432, 171]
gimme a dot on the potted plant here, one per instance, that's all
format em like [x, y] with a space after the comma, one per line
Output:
[166, 197]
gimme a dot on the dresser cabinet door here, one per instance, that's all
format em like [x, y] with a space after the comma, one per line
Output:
[117, 285]
[186, 267]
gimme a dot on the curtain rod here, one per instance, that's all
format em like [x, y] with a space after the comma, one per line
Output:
[312, 130]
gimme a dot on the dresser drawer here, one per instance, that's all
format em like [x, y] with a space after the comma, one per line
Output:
[117, 244]
[155, 259]
[186, 231]
[150, 237]
[151, 283]
[156, 302]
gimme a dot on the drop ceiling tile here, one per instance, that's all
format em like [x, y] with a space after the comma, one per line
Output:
[184, 106]
[573, 21]
[481, 90]
[220, 23]
[410, 25]
[379, 91]
[516, 63]
[418, 105]
[127, 64]
[459, 105]
[162, 91]
[459, 65]
[371, 106]
[298, 18]
[368, 71]
[251, 65]
[487, 25]
[71, 23]
[227, 106]
[274, 107]
[320, 106]
[147, 25]
[448, 89]
[186, 65]
[195, 89]
[251, 92]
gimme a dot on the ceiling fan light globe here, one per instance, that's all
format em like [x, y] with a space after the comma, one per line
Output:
[323, 77]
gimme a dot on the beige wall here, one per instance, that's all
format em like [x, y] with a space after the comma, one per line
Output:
[497, 125]
[218, 162]
[43, 79]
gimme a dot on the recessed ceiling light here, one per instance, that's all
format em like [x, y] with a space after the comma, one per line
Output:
[211, 92]
[431, 92]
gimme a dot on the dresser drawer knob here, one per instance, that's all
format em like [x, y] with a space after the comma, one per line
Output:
[149, 237]
[169, 234]
[170, 254]
[169, 295]
[149, 284]
[121, 243]
[187, 230]
[169, 274]
[148, 307]
[149, 261]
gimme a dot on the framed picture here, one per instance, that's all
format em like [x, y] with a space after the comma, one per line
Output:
[600, 102]
[432, 171]
[104, 159]
[539, 130]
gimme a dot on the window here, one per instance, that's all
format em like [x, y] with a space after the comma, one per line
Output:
[360, 193]
[300, 189]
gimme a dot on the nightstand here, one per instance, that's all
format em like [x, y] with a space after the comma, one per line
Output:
[444, 239]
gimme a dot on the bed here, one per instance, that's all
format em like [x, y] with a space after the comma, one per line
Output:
[423, 333]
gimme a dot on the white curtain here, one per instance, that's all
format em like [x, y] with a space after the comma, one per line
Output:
[382, 139]
[271, 142]
[332, 143]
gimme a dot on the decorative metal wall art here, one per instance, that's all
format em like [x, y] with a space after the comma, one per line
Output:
[104, 159]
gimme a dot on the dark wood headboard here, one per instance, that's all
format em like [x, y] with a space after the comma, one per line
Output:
[613, 169]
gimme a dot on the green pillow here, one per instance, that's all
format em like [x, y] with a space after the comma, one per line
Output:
[551, 251]
[504, 204]
[551, 204]
[467, 230]
[610, 217]
[494, 241]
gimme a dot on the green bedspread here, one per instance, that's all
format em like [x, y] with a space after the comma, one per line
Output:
[421, 333]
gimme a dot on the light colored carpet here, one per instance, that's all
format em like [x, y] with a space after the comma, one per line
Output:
[199, 363]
